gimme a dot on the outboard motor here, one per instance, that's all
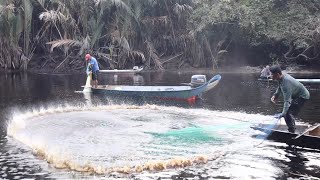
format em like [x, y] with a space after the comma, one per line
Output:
[197, 80]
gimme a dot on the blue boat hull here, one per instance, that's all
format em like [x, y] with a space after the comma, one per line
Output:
[169, 92]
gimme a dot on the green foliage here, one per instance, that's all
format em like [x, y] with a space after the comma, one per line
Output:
[265, 19]
[195, 28]
[15, 26]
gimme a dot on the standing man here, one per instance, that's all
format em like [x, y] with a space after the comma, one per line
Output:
[93, 68]
[294, 96]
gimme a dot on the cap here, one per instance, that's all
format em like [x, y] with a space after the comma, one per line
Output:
[87, 57]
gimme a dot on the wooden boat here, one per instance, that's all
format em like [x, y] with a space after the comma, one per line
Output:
[134, 70]
[305, 136]
[166, 92]
[300, 80]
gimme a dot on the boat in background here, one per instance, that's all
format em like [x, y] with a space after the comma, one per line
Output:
[135, 69]
[165, 92]
[305, 136]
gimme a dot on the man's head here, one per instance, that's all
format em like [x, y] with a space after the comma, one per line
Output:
[88, 57]
[268, 67]
[276, 72]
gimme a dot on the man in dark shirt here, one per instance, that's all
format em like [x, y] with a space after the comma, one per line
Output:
[294, 96]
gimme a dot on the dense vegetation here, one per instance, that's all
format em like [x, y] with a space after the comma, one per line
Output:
[54, 35]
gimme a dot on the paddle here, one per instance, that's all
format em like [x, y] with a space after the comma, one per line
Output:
[309, 129]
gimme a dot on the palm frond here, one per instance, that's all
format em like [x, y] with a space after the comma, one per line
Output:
[64, 42]
[222, 52]
[8, 8]
[156, 21]
[124, 44]
[153, 55]
[52, 16]
[85, 45]
[137, 55]
[122, 41]
[115, 35]
[17, 28]
[97, 33]
[180, 9]
[69, 19]
[113, 64]
[117, 3]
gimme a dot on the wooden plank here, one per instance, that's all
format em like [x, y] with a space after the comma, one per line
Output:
[309, 129]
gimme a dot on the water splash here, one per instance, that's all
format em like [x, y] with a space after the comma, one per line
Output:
[87, 87]
[113, 138]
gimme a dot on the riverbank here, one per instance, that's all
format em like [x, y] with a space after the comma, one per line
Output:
[232, 70]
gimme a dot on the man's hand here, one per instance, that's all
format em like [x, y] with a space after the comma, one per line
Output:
[273, 99]
[278, 116]
[88, 73]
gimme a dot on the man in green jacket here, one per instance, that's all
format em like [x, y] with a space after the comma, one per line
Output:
[294, 96]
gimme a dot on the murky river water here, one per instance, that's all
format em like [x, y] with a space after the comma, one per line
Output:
[49, 131]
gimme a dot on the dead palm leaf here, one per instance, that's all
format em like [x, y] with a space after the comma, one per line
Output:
[64, 42]
[153, 55]
[137, 55]
[9, 7]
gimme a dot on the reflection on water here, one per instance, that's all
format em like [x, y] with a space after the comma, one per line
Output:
[51, 127]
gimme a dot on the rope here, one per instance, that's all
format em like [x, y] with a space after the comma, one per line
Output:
[241, 120]
[277, 121]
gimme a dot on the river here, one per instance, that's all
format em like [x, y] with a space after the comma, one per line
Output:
[50, 131]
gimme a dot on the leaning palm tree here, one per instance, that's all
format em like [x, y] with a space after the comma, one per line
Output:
[93, 29]
[15, 24]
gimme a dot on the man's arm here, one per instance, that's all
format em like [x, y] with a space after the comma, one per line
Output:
[88, 70]
[287, 98]
[276, 94]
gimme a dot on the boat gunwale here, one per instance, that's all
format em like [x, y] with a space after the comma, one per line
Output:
[121, 70]
[262, 129]
[214, 79]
